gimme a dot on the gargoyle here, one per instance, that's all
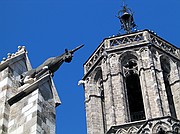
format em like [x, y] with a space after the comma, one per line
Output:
[51, 64]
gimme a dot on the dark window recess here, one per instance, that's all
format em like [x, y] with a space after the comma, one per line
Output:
[166, 72]
[135, 100]
[161, 131]
[169, 95]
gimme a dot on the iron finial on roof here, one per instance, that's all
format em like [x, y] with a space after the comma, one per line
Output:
[126, 18]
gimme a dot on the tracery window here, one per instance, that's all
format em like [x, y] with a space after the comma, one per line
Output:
[133, 89]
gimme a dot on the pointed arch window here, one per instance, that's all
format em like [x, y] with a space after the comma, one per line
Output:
[99, 85]
[166, 68]
[133, 90]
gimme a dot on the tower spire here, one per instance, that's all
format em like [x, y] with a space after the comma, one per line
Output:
[126, 18]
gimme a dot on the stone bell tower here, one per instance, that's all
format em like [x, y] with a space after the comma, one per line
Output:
[27, 108]
[132, 83]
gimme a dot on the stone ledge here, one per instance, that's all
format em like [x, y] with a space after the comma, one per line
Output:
[32, 87]
[141, 126]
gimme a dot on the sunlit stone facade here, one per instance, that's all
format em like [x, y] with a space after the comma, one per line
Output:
[132, 85]
[28, 108]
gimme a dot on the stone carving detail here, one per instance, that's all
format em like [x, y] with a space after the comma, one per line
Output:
[97, 54]
[132, 38]
[130, 67]
[51, 65]
[164, 125]
[146, 131]
[131, 130]
[21, 49]
[121, 131]
[141, 37]
[163, 45]
[160, 127]
[176, 127]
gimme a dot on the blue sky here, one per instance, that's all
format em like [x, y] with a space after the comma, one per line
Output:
[47, 27]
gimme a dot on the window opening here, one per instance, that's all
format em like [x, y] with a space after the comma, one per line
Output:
[166, 73]
[99, 82]
[161, 131]
[135, 99]
[133, 87]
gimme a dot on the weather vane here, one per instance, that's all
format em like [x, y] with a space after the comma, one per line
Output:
[126, 18]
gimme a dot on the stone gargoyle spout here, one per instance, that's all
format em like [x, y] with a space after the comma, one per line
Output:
[51, 64]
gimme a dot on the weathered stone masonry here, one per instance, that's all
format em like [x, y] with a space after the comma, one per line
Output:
[27, 109]
[132, 85]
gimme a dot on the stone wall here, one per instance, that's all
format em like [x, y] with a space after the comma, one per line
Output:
[111, 57]
[28, 108]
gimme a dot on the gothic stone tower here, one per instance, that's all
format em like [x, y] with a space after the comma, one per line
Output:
[27, 109]
[132, 85]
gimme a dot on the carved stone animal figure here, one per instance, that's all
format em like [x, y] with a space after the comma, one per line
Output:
[51, 64]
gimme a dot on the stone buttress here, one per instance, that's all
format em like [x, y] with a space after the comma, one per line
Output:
[28, 108]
